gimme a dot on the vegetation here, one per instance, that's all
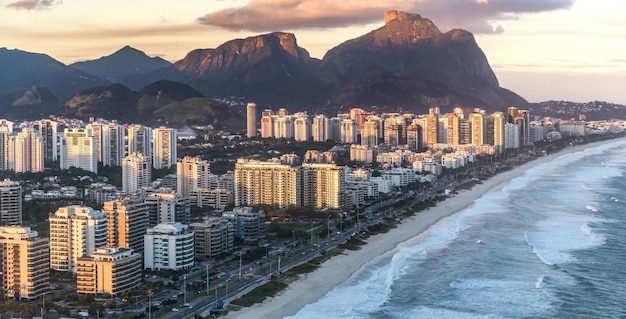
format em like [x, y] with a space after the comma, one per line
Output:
[260, 293]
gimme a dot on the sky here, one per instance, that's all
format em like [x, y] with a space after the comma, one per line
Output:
[572, 50]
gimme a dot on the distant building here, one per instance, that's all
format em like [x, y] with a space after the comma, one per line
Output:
[218, 198]
[169, 246]
[251, 120]
[108, 271]
[48, 131]
[29, 151]
[164, 147]
[140, 140]
[24, 263]
[136, 172]
[78, 149]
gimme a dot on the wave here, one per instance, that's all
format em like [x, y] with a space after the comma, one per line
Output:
[591, 208]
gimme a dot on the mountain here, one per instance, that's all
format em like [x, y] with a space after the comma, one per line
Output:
[165, 101]
[270, 67]
[29, 104]
[408, 63]
[125, 62]
[21, 69]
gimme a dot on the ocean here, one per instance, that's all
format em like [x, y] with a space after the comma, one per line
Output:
[549, 244]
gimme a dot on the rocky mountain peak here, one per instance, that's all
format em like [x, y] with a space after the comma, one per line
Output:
[405, 28]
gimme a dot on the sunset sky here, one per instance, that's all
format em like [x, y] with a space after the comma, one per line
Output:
[541, 49]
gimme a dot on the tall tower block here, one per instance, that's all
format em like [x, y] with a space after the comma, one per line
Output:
[251, 120]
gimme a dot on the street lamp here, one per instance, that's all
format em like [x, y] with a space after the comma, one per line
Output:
[149, 303]
[207, 280]
[185, 288]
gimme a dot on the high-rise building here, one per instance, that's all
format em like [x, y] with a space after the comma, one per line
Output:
[212, 238]
[511, 135]
[127, 221]
[283, 126]
[478, 126]
[251, 120]
[413, 134]
[113, 144]
[369, 133]
[140, 140]
[108, 271]
[334, 129]
[136, 172]
[10, 202]
[498, 131]
[325, 184]
[319, 129]
[165, 205]
[454, 127]
[267, 124]
[432, 127]
[270, 183]
[169, 246]
[301, 128]
[29, 151]
[97, 131]
[348, 131]
[24, 263]
[75, 231]
[78, 149]
[192, 174]
[164, 151]
[7, 151]
[48, 130]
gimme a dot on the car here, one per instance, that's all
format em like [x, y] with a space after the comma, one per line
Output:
[175, 309]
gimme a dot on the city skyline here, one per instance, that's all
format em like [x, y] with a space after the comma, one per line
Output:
[542, 50]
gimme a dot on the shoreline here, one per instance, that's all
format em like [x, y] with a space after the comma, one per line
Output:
[308, 288]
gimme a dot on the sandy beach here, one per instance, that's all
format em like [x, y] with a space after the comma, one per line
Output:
[310, 287]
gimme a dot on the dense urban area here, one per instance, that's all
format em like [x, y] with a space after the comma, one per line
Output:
[107, 219]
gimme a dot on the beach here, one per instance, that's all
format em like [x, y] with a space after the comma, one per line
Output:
[310, 287]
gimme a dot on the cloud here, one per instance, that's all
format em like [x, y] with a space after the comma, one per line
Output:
[32, 4]
[477, 16]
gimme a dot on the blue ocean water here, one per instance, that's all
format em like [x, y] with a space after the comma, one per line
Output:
[550, 244]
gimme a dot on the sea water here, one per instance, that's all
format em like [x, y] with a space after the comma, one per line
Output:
[549, 244]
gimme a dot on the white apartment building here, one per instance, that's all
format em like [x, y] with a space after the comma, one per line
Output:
[79, 149]
[169, 246]
[164, 147]
[24, 263]
[136, 172]
[29, 151]
[112, 144]
[75, 231]
[301, 128]
[140, 140]
[192, 174]
[48, 131]
[319, 128]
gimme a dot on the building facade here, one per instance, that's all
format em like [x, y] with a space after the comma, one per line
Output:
[10, 202]
[164, 147]
[213, 237]
[127, 221]
[169, 246]
[108, 271]
[75, 231]
[24, 263]
[79, 149]
[136, 172]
